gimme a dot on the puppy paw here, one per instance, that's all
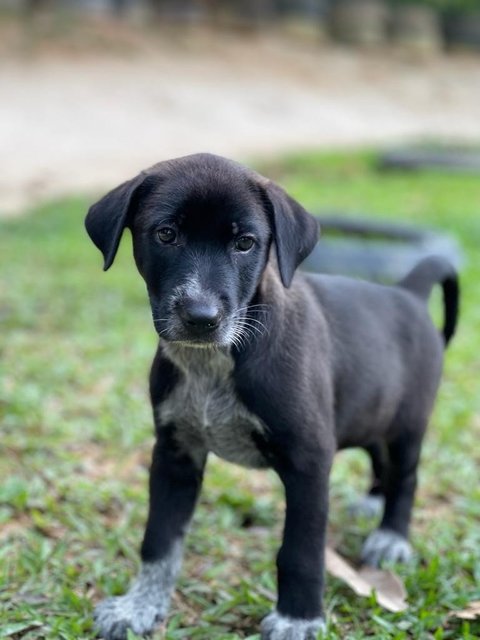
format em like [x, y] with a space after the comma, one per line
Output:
[385, 545]
[278, 627]
[368, 506]
[114, 616]
[146, 603]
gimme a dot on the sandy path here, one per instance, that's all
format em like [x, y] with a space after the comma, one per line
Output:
[70, 123]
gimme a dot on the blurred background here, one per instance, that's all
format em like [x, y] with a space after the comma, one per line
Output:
[94, 90]
[367, 112]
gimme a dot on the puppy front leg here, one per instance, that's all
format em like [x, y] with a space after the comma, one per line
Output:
[300, 561]
[175, 480]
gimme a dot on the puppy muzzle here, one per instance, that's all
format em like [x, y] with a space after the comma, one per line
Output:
[196, 321]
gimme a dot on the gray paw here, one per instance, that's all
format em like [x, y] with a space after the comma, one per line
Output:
[146, 603]
[278, 627]
[368, 506]
[114, 616]
[385, 545]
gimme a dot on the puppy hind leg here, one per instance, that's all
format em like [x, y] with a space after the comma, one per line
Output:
[372, 504]
[389, 543]
[379, 460]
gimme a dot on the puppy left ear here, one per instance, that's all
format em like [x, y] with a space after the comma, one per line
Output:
[107, 218]
[295, 231]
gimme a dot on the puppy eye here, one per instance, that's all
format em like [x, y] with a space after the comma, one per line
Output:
[244, 243]
[167, 235]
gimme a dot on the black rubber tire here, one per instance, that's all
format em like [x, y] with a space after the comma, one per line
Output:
[451, 160]
[378, 251]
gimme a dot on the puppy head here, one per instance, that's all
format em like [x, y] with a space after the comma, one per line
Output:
[202, 227]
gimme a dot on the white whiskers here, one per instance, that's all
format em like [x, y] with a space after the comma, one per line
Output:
[247, 328]
[167, 331]
[244, 329]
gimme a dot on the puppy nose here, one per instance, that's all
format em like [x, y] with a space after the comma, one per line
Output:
[200, 315]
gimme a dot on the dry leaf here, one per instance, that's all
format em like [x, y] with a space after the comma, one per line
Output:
[391, 594]
[471, 611]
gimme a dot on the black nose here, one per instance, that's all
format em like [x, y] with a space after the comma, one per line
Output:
[200, 315]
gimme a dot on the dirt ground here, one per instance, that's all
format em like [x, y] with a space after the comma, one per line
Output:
[84, 111]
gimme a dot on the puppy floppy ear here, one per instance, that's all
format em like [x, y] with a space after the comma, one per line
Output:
[295, 231]
[108, 217]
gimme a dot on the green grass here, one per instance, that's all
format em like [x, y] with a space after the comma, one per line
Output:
[75, 434]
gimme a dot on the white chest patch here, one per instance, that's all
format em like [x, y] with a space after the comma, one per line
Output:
[206, 410]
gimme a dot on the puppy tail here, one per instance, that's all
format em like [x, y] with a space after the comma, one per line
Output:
[421, 279]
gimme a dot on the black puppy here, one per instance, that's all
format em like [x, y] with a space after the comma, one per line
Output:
[267, 370]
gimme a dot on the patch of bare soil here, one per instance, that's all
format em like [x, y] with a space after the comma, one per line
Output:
[84, 107]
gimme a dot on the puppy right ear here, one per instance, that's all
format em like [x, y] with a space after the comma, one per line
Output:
[108, 217]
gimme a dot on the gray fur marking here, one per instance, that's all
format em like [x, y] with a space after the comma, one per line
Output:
[206, 410]
[278, 627]
[146, 603]
[385, 545]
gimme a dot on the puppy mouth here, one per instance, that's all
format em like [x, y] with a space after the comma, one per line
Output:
[234, 330]
[175, 332]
